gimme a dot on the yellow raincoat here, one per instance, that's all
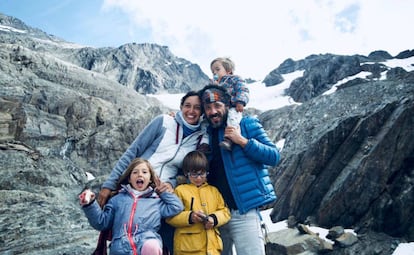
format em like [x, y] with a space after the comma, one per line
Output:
[193, 238]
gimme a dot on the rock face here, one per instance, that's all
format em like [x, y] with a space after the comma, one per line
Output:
[68, 111]
[146, 68]
[324, 71]
[348, 158]
[57, 122]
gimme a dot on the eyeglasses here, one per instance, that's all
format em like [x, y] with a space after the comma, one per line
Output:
[195, 175]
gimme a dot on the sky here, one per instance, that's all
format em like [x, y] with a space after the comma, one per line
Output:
[257, 35]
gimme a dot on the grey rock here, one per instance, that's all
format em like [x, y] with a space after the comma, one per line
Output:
[291, 221]
[346, 239]
[147, 68]
[405, 54]
[334, 145]
[335, 232]
[379, 55]
[58, 122]
[291, 241]
[303, 229]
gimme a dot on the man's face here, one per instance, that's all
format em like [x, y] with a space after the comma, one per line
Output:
[216, 114]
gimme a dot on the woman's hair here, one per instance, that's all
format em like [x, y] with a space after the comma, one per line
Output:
[189, 94]
[227, 63]
[195, 161]
[124, 179]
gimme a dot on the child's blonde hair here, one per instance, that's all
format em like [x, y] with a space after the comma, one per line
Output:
[227, 63]
[124, 179]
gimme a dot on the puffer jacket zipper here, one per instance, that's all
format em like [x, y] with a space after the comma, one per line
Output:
[180, 142]
[130, 222]
[177, 134]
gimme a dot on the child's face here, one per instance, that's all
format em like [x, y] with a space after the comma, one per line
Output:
[197, 177]
[218, 68]
[140, 177]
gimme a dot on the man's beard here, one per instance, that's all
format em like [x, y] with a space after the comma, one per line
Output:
[222, 121]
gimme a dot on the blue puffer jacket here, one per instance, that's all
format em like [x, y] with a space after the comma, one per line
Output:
[246, 168]
[133, 219]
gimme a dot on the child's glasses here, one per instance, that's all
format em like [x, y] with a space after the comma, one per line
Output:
[195, 175]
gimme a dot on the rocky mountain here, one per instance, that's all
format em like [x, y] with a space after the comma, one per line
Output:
[323, 71]
[68, 111]
[348, 156]
[147, 68]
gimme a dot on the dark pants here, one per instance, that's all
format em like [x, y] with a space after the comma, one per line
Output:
[167, 235]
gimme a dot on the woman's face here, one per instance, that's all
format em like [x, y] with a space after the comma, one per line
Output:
[191, 109]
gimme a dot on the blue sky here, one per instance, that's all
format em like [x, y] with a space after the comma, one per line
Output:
[257, 35]
[82, 22]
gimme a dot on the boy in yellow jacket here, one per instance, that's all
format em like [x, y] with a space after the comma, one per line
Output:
[196, 227]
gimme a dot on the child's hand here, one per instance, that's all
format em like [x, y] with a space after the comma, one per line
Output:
[86, 197]
[161, 187]
[209, 224]
[199, 217]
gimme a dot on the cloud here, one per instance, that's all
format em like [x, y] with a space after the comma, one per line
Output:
[347, 19]
[259, 35]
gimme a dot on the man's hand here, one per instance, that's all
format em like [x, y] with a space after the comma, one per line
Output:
[233, 133]
[103, 196]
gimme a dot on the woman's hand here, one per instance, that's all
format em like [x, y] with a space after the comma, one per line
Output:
[103, 196]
